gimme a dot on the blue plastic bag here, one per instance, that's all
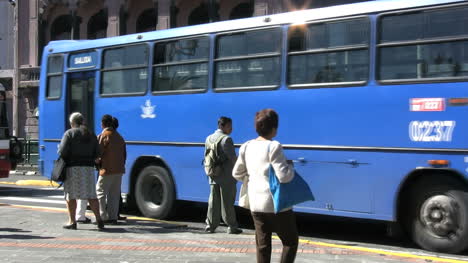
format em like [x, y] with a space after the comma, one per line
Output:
[288, 194]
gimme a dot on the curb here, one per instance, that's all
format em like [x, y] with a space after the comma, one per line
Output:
[33, 183]
[37, 183]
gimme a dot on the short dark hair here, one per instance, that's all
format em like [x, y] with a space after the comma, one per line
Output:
[115, 123]
[106, 121]
[222, 121]
[265, 121]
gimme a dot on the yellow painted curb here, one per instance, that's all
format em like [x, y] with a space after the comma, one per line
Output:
[42, 208]
[382, 252]
[32, 183]
[155, 220]
[7, 182]
[37, 183]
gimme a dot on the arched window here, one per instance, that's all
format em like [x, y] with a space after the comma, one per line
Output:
[61, 28]
[147, 21]
[199, 15]
[97, 25]
[242, 10]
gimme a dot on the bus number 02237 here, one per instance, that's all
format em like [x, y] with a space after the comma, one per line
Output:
[431, 131]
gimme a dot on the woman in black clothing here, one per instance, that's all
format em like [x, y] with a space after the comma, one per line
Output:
[79, 149]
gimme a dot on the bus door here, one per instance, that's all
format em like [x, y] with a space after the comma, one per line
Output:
[80, 96]
[340, 181]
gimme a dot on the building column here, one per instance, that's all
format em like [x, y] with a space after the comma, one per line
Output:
[267, 7]
[33, 33]
[113, 17]
[275, 7]
[260, 8]
[75, 27]
[15, 85]
[164, 14]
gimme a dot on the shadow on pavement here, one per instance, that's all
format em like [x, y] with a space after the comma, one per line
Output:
[23, 237]
[14, 230]
[344, 230]
[19, 236]
[19, 191]
[136, 226]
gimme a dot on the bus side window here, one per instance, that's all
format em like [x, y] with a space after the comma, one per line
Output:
[248, 59]
[181, 65]
[54, 77]
[125, 70]
[421, 57]
[328, 52]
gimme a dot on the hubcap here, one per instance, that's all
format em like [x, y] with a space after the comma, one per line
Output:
[152, 191]
[440, 215]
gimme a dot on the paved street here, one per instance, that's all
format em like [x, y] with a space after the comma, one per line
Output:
[31, 218]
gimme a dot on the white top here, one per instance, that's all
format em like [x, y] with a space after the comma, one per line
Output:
[254, 161]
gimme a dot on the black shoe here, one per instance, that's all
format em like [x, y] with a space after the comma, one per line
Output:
[208, 229]
[85, 221]
[110, 222]
[100, 225]
[234, 231]
[122, 218]
[70, 226]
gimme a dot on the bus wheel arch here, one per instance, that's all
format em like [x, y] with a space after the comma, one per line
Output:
[153, 189]
[432, 207]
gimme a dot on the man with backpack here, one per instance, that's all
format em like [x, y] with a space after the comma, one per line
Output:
[219, 160]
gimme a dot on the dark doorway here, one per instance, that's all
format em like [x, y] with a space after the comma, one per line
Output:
[242, 10]
[97, 25]
[80, 96]
[204, 13]
[147, 21]
[61, 28]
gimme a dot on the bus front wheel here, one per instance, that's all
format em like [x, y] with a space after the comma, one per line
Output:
[439, 214]
[154, 192]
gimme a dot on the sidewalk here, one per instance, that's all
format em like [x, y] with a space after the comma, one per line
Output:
[35, 234]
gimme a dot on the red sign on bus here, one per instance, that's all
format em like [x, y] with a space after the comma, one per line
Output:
[427, 104]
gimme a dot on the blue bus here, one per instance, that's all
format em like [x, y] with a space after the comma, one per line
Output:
[373, 101]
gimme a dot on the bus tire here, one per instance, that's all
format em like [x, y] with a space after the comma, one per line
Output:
[439, 214]
[155, 192]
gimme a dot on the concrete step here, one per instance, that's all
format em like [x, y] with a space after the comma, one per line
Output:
[27, 167]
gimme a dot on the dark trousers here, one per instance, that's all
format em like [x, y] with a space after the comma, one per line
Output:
[284, 224]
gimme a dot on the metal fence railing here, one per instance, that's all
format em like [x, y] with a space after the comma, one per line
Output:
[30, 151]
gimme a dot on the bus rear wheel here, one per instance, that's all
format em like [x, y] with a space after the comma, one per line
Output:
[439, 214]
[155, 192]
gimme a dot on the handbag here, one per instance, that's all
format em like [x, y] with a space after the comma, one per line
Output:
[244, 190]
[288, 194]
[59, 171]
[244, 194]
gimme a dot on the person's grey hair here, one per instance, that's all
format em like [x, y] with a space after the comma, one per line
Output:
[76, 119]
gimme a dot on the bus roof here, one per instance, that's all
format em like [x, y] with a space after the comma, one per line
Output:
[295, 17]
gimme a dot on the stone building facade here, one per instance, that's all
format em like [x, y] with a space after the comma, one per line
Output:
[41, 21]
